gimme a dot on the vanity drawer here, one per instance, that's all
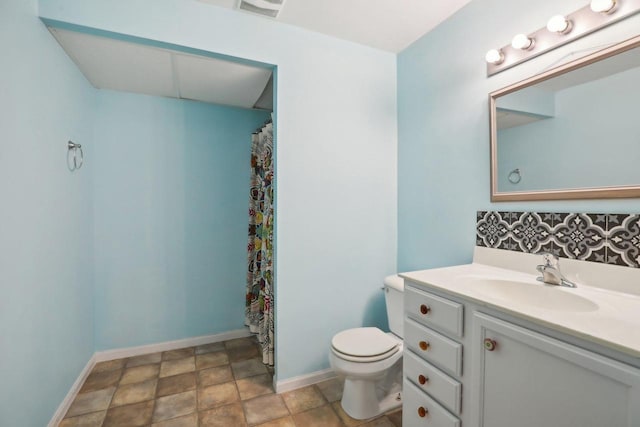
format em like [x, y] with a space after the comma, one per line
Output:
[439, 385]
[418, 409]
[431, 346]
[433, 310]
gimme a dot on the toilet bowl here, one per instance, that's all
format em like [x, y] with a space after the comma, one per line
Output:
[370, 360]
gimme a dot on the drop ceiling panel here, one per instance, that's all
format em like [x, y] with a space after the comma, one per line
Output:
[119, 65]
[221, 82]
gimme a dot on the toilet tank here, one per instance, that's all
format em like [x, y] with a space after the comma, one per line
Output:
[394, 299]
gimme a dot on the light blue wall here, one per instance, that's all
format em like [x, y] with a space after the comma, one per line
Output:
[46, 320]
[586, 144]
[171, 198]
[443, 125]
[336, 159]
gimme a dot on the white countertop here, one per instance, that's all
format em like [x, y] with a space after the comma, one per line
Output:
[614, 323]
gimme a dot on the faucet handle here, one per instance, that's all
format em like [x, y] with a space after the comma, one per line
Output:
[549, 259]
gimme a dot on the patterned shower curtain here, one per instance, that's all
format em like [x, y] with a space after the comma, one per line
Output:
[259, 315]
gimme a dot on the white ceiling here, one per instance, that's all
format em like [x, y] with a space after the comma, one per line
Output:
[390, 25]
[118, 65]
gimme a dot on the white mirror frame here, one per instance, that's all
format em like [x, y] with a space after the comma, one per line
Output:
[630, 191]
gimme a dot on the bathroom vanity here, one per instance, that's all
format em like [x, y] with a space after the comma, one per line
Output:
[486, 345]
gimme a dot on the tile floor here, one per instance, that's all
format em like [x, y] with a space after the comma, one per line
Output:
[221, 384]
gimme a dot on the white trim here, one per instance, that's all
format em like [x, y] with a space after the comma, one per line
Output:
[73, 392]
[304, 380]
[120, 353]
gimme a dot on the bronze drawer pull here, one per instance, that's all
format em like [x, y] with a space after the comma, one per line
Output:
[490, 344]
[424, 346]
[422, 412]
[425, 309]
[422, 379]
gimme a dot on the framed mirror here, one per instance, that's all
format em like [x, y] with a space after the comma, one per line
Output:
[572, 132]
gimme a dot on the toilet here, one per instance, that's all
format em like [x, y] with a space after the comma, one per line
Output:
[371, 360]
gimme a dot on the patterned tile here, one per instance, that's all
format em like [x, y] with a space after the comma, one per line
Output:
[190, 420]
[92, 401]
[323, 416]
[532, 232]
[624, 240]
[217, 375]
[217, 395]
[139, 374]
[180, 353]
[101, 379]
[581, 236]
[178, 366]
[492, 230]
[210, 360]
[331, 389]
[595, 237]
[93, 419]
[145, 359]
[134, 393]
[248, 368]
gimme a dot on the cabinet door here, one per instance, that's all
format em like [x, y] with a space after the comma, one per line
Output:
[531, 380]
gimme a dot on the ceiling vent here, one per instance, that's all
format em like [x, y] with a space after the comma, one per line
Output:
[270, 8]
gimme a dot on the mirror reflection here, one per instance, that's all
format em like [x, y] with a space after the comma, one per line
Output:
[576, 130]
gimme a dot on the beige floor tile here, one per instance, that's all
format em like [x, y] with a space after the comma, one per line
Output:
[345, 418]
[176, 384]
[303, 399]
[318, 417]
[211, 376]
[210, 348]
[109, 365]
[396, 418]
[255, 386]
[379, 422]
[92, 401]
[248, 368]
[331, 389]
[93, 419]
[210, 360]
[223, 416]
[178, 366]
[217, 395]
[174, 406]
[243, 353]
[264, 408]
[135, 415]
[180, 353]
[241, 342]
[190, 420]
[134, 393]
[101, 379]
[140, 373]
[280, 422]
[145, 359]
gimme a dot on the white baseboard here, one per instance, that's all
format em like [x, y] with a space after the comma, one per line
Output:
[304, 380]
[73, 392]
[119, 353]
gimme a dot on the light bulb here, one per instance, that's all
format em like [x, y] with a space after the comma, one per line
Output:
[521, 41]
[494, 56]
[603, 6]
[559, 24]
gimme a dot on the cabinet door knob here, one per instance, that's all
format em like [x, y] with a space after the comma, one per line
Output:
[490, 344]
[422, 412]
[424, 346]
[425, 309]
[422, 379]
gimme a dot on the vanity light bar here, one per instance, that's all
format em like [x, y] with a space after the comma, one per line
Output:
[560, 30]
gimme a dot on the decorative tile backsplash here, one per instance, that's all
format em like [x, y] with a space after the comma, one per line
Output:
[606, 238]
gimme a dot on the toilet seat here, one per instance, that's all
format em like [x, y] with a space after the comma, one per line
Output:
[364, 345]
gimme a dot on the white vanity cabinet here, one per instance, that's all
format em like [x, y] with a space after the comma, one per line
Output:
[467, 364]
[528, 379]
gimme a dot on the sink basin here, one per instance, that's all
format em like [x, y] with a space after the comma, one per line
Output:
[547, 297]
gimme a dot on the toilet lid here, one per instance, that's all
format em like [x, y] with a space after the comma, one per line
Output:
[363, 342]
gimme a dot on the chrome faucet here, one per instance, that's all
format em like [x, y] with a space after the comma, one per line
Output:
[550, 271]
